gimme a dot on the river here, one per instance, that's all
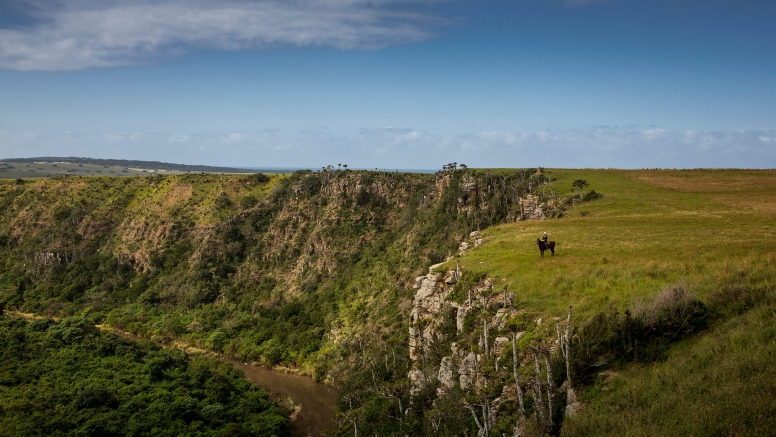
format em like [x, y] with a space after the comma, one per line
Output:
[317, 400]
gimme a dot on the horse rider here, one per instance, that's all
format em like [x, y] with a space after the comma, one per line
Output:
[544, 239]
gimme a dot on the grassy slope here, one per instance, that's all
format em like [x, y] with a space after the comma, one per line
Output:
[709, 230]
[720, 383]
[705, 229]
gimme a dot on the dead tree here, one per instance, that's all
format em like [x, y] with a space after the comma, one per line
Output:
[564, 344]
[487, 341]
[350, 416]
[543, 392]
[521, 404]
[488, 420]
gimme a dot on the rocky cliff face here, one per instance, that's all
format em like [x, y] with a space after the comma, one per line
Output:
[432, 308]
[467, 342]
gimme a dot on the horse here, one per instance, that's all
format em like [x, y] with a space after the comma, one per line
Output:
[550, 245]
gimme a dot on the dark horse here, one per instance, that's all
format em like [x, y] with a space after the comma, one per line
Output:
[550, 245]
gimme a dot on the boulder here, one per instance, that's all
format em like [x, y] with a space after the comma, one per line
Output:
[498, 345]
[468, 370]
[460, 317]
[417, 381]
[446, 373]
[573, 406]
[502, 315]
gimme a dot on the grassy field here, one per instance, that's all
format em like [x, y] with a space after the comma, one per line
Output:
[704, 229]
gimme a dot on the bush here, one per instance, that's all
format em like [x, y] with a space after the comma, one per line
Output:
[223, 202]
[249, 201]
[592, 195]
[259, 178]
[94, 397]
[736, 300]
[642, 335]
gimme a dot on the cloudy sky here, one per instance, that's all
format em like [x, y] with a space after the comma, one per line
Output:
[392, 83]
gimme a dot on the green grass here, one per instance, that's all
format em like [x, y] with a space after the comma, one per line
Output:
[722, 383]
[705, 229]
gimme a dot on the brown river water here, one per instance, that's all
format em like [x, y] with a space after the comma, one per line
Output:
[317, 400]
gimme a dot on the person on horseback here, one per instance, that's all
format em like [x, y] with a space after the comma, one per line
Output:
[544, 239]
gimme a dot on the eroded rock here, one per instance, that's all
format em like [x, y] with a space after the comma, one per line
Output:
[446, 373]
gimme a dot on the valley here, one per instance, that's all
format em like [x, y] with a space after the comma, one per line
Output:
[326, 274]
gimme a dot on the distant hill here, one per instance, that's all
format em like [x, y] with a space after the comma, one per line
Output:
[145, 165]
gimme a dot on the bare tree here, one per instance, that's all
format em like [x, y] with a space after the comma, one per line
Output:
[543, 391]
[487, 342]
[564, 344]
[521, 404]
[488, 410]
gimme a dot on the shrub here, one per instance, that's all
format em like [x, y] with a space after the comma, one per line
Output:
[249, 201]
[223, 202]
[642, 335]
[259, 178]
[94, 397]
[736, 300]
[592, 195]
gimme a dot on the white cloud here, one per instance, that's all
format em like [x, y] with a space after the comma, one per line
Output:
[78, 34]
[413, 148]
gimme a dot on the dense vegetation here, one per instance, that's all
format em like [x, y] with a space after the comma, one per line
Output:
[66, 378]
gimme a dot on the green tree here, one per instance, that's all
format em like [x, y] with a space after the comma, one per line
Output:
[580, 183]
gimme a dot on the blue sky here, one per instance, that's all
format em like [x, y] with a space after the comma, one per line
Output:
[392, 83]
